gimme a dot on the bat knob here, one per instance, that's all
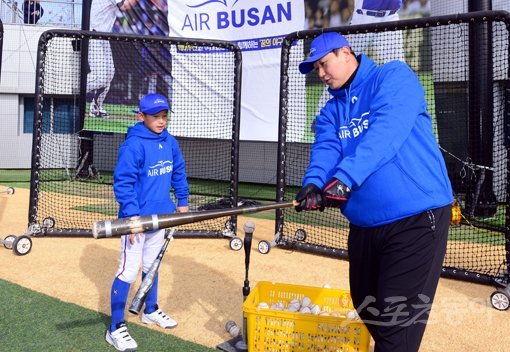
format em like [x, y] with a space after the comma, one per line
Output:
[99, 229]
[249, 227]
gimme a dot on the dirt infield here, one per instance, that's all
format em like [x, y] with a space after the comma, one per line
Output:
[201, 282]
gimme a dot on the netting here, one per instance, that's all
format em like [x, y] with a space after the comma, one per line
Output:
[463, 64]
[80, 124]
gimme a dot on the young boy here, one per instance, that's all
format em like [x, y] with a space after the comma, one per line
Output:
[149, 165]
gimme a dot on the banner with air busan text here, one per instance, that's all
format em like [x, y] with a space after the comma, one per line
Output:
[258, 27]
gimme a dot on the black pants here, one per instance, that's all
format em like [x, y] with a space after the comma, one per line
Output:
[394, 270]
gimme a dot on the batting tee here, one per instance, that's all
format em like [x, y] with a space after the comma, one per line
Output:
[463, 63]
[75, 147]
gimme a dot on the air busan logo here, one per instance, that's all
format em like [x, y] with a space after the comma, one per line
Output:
[233, 13]
[159, 101]
[161, 168]
[223, 2]
[356, 127]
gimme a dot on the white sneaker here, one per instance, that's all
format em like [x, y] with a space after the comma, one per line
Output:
[120, 339]
[160, 318]
[97, 111]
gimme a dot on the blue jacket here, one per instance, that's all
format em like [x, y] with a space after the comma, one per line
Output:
[148, 167]
[376, 136]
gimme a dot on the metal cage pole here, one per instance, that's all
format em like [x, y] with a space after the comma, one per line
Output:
[481, 199]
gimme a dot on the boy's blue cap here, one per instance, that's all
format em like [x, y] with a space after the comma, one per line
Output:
[321, 46]
[152, 104]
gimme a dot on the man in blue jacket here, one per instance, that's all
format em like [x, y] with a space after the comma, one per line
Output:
[376, 158]
[150, 165]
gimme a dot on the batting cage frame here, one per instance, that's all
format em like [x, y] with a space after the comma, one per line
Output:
[1, 45]
[463, 64]
[76, 133]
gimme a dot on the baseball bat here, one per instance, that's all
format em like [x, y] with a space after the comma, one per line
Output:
[145, 286]
[139, 224]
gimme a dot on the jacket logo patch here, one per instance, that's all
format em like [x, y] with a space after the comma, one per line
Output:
[355, 128]
[161, 168]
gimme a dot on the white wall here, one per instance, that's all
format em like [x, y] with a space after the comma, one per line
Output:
[19, 59]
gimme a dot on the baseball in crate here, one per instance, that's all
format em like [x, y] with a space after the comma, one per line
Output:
[286, 317]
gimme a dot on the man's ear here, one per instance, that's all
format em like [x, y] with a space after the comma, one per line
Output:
[141, 116]
[346, 51]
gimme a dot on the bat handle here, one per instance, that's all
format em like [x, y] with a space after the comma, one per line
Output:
[145, 286]
[169, 233]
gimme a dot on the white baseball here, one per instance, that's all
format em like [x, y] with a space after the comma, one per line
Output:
[235, 331]
[326, 286]
[280, 305]
[292, 308]
[305, 310]
[324, 313]
[295, 305]
[295, 302]
[277, 306]
[351, 314]
[263, 305]
[305, 301]
[315, 309]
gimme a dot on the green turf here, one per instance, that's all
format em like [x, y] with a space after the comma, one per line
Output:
[121, 117]
[31, 321]
[114, 125]
[468, 234]
[25, 185]
[16, 175]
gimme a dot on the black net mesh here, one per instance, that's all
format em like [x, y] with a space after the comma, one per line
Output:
[77, 135]
[462, 63]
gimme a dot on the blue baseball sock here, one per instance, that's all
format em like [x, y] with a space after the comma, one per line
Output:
[119, 294]
[151, 303]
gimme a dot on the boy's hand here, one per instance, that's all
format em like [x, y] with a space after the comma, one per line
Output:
[132, 237]
[184, 209]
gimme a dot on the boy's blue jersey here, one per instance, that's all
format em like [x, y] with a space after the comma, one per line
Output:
[376, 136]
[149, 166]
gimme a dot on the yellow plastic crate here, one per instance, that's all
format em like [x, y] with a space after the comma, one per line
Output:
[272, 330]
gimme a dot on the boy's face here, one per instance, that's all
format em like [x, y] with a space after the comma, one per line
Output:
[155, 123]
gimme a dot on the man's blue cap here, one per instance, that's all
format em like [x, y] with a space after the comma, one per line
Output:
[321, 46]
[152, 104]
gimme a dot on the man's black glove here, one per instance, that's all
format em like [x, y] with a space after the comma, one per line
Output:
[335, 193]
[310, 198]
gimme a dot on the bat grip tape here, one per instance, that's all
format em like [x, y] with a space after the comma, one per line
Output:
[108, 228]
[155, 225]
